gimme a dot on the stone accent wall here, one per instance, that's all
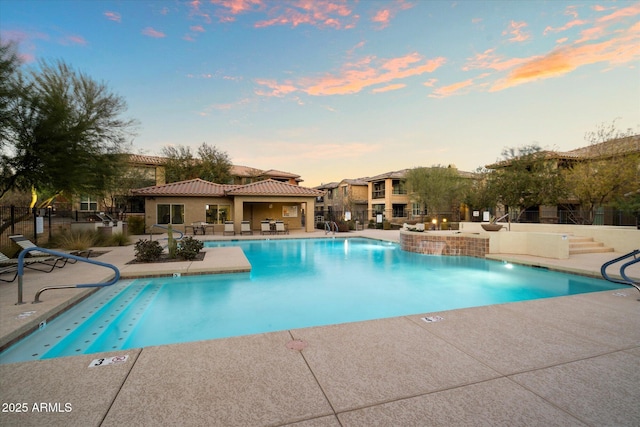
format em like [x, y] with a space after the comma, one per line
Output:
[444, 243]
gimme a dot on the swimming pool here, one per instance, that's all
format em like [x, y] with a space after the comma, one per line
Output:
[294, 283]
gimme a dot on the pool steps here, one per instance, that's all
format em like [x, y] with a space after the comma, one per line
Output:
[123, 304]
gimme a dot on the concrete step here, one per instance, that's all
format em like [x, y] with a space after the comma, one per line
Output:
[586, 245]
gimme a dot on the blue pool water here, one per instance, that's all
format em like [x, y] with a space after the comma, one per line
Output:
[293, 284]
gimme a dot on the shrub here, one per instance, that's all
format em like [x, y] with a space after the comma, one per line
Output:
[135, 224]
[147, 250]
[118, 239]
[78, 240]
[189, 248]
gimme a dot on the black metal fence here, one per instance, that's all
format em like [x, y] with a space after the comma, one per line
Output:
[38, 225]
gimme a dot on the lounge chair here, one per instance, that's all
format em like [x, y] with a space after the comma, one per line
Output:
[48, 263]
[228, 228]
[265, 227]
[9, 269]
[245, 227]
[25, 243]
[280, 228]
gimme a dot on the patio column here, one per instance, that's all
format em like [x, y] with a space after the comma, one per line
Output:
[238, 211]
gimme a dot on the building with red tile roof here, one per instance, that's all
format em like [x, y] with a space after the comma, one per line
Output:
[196, 201]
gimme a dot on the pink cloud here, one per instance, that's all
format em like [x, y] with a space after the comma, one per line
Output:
[197, 29]
[194, 10]
[384, 16]
[621, 13]
[153, 33]
[565, 27]
[113, 16]
[356, 76]
[516, 31]
[389, 88]
[320, 13]
[430, 82]
[73, 39]
[622, 49]
[449, 90]
[368, 72]
[276, 89]
[489, 60]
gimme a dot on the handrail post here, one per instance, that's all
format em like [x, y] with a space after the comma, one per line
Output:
[20, 302]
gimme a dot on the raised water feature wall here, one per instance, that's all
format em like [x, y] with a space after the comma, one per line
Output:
[444, 243]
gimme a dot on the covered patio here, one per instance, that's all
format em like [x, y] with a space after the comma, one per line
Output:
[210, 205]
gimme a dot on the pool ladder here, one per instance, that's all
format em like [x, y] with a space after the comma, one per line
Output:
[626, 280]
[330, 226]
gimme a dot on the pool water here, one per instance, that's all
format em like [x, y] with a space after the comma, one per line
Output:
[294, 283]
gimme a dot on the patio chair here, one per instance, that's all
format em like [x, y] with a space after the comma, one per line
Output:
[228, 228]
[25, 243]
[245, 227]
[9, 269]
[48, 263]
[280, 228]
[265, 227]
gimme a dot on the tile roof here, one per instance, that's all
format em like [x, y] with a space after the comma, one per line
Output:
[192, 187]
[271, 187]
[199, 187]
[146, 160]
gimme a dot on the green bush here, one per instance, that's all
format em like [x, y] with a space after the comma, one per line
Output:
[147, 250]
[118, 239]
[189, 248]
[76, 240]
[135, 224]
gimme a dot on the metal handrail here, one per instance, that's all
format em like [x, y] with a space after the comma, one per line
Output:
[626, 280]
[329, 227]
[166, 228]
[64, 255]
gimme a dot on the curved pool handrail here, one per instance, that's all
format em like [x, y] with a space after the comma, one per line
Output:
[626, 280]
[167, 228]
[63, 255]
[624, 266]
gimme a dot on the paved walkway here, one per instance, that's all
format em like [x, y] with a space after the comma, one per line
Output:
[553, 362]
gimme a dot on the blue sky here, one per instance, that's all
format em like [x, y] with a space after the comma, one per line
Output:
[342, 89]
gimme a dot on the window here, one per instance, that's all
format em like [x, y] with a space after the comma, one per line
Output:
[377, 209]
[399, 187]
[88, 203]
[399, 211]
[217, 214]
[378, 190]
[416, 209]
[170, 214]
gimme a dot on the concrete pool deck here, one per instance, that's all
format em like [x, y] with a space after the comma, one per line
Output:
[560, 361]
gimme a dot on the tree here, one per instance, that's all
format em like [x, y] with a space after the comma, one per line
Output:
[9, 65]
[437, 188]
[526, 178]
[607, 170]
[480, 194]
[210, 164]
[215, 165]
[65, 135]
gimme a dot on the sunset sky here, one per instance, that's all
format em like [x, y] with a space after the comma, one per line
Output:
[333, 89]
